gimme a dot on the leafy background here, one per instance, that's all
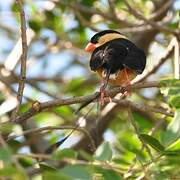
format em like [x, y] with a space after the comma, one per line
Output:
[137, 143]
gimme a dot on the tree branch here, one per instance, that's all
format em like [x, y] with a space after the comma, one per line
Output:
[50, 128]
[23, 59]
[39, 107]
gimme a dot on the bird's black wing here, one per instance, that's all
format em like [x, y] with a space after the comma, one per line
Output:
[109, 56]
[135, 59]
[96, 60]
[118, 54]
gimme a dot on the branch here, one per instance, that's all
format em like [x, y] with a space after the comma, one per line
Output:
[104, 165]
[39, 107]
[160, 11]
[50, 128]
[23, 59]
[92, 11]
[84, 22]
[177, 58]
[161, 61]
[149, 21]
[143, 107]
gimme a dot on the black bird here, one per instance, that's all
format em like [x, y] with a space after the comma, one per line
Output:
[115, 58]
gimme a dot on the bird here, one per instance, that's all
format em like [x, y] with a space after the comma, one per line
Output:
[117, 61]
[115, 58]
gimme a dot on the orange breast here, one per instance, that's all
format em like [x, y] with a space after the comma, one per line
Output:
[122, 77]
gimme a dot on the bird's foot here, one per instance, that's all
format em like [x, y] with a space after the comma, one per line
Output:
[104, 97]
[127, 85]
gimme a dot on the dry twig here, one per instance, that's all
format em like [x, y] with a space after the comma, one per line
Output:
[23, 59]
[50, 128]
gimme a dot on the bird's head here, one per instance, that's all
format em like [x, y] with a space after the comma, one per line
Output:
[101, 38]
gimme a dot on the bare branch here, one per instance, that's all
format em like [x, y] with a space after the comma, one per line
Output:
[150, 22]
[50, 128]
[92, 11]
[23, 58]
[177, 59]
[39, 107]
[167, 54]
[143, 107]
[161, 10]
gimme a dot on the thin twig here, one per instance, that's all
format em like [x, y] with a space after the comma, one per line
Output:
[132, 121]
[85, 22]
[177, 59]
[136, 14]
[23, 59]
[92, 11]
[112, 7]
[50, 128]
[143, 107]
[103, 165]
[162, 9]
[167, 54]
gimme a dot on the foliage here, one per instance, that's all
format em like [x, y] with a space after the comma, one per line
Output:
[141, 142]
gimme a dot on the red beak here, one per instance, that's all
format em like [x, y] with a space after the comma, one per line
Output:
[90, 47]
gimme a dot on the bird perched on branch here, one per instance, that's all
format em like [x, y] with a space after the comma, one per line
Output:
[116, 59]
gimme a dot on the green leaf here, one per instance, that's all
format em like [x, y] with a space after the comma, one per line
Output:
[175, 146]
[6, 128]
[174, 101]
[35, 24]
[5, 155]
[55, 176]
[20, 175]
[144, 124]
[173, 130]
[154, 143]
[64, 110]
[26, 162]
[65, 153]
[7, 171]
[46, 167]
[106, 174]
[170, 87]
[104, 152]
[85, 155]
[78, 172]
[170, 83]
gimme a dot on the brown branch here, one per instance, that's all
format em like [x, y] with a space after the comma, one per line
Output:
[112, 7]
[177, 58]
[85, 22]
[161, 10]
[39, 107]
[45, 79]
[168, 53]
[23, 59]
[50, 128]
[104, 165]
[154, 24]
[92, 11]
[143, 107]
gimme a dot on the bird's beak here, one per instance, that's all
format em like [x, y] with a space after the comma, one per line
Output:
[90, 47]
